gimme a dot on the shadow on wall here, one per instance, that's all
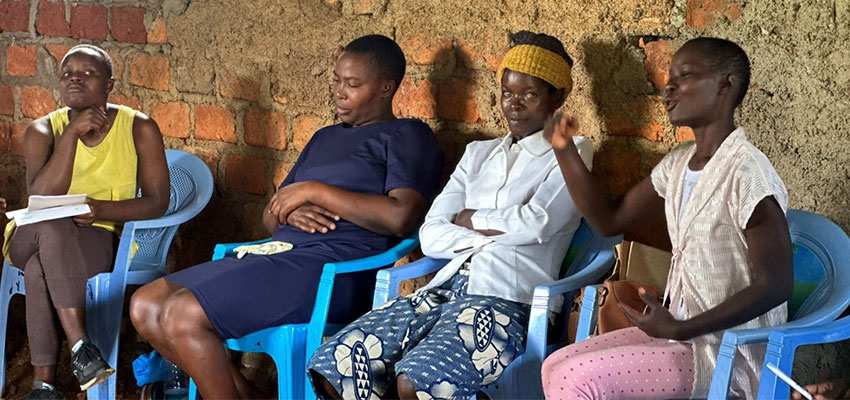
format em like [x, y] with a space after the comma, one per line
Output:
[456, 102]
[627, 106]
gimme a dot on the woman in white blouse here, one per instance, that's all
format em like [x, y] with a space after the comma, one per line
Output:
[732, 264]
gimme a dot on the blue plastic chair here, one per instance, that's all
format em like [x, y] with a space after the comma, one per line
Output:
[191, 189]
[288, 345]
[588, 259]
[821, 291]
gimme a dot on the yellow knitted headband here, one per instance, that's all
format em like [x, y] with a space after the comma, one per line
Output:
[539, 62]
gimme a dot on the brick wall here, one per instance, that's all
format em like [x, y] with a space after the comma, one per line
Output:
[243, 85]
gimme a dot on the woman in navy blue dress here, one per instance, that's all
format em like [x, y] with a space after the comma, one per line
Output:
[356, 188]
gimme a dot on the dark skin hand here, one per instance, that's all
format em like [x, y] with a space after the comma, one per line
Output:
[394, 214]
[703, 98]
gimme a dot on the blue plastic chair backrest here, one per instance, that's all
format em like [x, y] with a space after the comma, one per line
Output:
[190, 188]
[575, 261]
[581, 238]
[821, 263]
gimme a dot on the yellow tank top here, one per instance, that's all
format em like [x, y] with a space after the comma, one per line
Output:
[106, 171]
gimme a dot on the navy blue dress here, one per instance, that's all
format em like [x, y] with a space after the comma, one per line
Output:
[259, 291]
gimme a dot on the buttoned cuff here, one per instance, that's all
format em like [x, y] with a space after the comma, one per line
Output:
[479, 219]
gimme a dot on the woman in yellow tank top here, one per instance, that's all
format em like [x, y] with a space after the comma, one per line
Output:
[108, 152]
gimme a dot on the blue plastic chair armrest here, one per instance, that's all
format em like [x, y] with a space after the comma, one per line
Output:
[226, 249]
[164, 221]
[589, 313]
[379, 260]
[828, 333]
[539, 319]
[389, 279]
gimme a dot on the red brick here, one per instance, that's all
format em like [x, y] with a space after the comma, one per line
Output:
[7, 100]
[57, 51]
[172, 118]
[5, 136]
[208, 156]
[684, 133]
[427, 51]
[132, 102]
[657, 61]
[89, 22]
[36, 101]
[239, 88]
[128, 25]
[456, 101]
[281, 172]
[149, 71]
[158, 32]
[21, 60]
[214, 123]
[17, 145]
[735, 12]
[622, 127]
[247, 174]
[51, 19]
[705, 13]
[415, 100]
[14, 16]
[265, 128]
[616, 171]
[305, 127]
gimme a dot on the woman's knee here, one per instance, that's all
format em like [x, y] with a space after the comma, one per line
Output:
[182, 315]
[145, 308]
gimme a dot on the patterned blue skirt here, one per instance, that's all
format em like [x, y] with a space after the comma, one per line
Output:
[448, 343]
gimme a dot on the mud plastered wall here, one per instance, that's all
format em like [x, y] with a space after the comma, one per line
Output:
[245, 84]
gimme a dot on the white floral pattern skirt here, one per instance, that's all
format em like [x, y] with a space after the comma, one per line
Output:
[449, 344]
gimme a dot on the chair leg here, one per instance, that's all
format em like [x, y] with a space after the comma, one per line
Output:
[11, 283]
[193, 390]
[103, 319]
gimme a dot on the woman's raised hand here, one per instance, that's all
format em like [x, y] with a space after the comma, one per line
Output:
[559, 130]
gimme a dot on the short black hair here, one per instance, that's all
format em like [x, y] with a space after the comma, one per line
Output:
[387, 57]
[545, 41]
[106, 60]
[727, 57]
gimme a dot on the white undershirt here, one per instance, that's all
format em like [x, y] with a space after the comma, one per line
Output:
[691, 178]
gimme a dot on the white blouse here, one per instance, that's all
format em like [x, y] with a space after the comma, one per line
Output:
[518, 190]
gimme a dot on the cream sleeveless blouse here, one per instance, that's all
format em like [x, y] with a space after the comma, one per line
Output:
[710, 262]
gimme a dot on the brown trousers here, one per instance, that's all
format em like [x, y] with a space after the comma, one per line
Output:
[57, 257]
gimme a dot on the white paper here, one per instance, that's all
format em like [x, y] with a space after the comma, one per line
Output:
[45, 208]
[41, 202]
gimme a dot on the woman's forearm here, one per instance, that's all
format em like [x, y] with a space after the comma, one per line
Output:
[743, 306]
[53, 177]
[395, 214]
[131, 210]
